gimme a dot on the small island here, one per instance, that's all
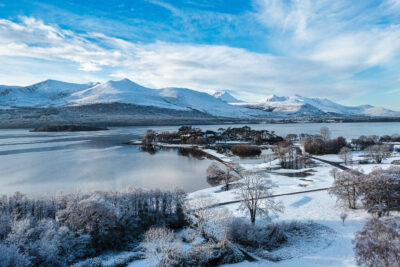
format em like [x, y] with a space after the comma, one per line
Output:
[67, 128]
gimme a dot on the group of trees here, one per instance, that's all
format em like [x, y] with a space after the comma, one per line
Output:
[378, 191]
[191, 135]
[363, 142]
[390, 138]
[318, 145]
[378, 153]
[64, 229]
[290, 156]
[378, 242]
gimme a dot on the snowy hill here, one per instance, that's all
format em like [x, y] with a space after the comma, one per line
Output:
[63, 95]
[128, 92]
[124, 91]
[301, 105]
[43, 94]
[206, 103]
[226, 97]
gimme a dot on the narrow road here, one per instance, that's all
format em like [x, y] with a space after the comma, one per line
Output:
[271, 196]
[334, 164]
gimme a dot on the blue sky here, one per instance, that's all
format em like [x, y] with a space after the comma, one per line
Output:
[348, 51]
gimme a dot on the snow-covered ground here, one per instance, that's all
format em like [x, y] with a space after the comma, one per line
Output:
[335, 249]
[332, 245]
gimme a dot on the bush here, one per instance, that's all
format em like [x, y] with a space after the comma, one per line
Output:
[244, 233]
[244, 150]
[318, 146]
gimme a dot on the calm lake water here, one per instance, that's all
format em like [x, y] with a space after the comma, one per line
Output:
[48, 163]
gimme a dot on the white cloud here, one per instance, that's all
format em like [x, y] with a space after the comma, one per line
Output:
[324, 68]
[34, 39]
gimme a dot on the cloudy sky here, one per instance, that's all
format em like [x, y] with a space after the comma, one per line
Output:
[348, 51]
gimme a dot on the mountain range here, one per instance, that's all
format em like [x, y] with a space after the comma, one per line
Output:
[125, 100]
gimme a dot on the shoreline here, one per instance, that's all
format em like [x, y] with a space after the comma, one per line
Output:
[170, 122]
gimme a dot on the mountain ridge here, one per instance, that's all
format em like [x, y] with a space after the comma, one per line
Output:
[58, 94]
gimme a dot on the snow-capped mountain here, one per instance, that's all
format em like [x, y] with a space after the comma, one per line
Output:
[57, 94]
[62, 95]
[300, 105]
[226, 97]
[43, 94]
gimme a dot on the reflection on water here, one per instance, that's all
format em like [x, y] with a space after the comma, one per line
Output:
[64, 162]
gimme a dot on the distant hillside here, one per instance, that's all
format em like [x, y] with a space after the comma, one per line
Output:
[125, 102]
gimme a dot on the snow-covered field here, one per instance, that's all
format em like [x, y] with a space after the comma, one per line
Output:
[335, 249]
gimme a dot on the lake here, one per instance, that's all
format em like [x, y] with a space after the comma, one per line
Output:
[49, 163]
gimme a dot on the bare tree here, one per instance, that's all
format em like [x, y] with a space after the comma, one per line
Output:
[216, 175]
[228, 177]
[345, 186]
[378, 152]
[345, 154]
[325, 133]
[255, 194]
[378, 243]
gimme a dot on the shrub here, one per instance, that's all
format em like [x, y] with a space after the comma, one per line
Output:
[244, 150]
[244, 233]
[318, 146]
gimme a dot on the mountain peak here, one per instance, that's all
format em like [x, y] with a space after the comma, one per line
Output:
[226, 97]
[124, 84]
[275, 98]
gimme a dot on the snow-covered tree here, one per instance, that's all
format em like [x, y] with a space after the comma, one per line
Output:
[378, 243]
[94, 216]
[381, 187]
[10, 256]
[345, 154]
[346, 186]
[378, 152]
[207, 218]
[255, 194]
[163, 246]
